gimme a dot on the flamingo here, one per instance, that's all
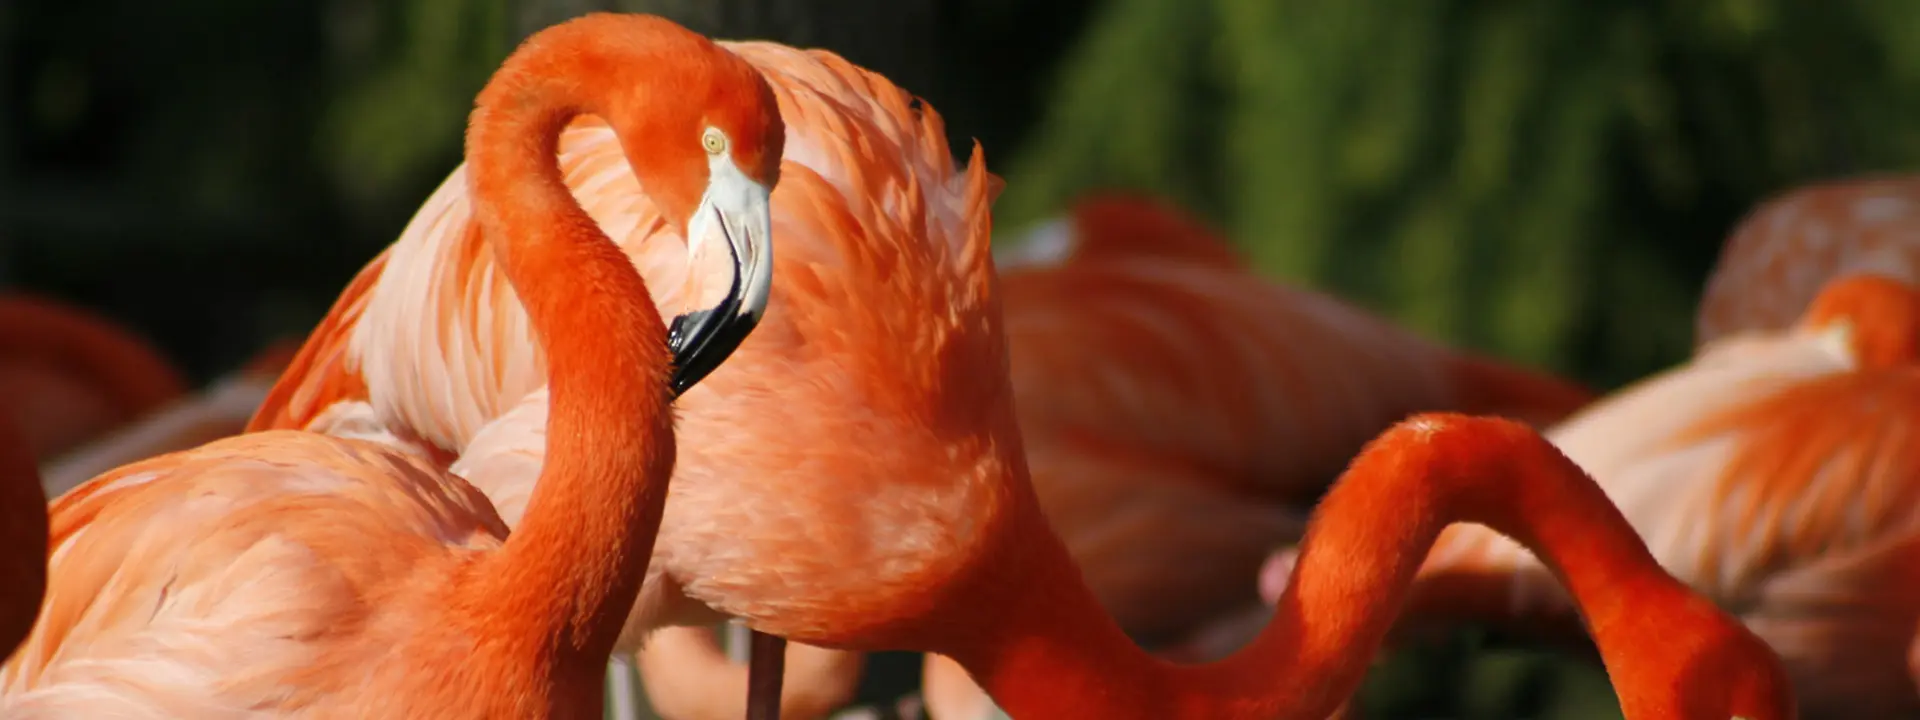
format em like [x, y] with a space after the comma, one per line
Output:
[856, 478]
[23, 537]
[1776, 473]
[216, 412]
[1151, 316]
[298, 573]
[69, 374]
[1790, 245]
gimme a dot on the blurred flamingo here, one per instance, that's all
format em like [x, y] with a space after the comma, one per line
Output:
[216, 412]
[855, 478]
[69, 375]
[23, 538]
[1791, 245]
[1778, 473]
[297, 573]
[1152, 316]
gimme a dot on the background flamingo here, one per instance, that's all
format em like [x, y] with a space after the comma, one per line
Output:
[69, 375]
[23, 538]
[1134, 313]
[1777, 474]
[907, 514]
[220, 410]
[364, 580]
[1791, 245]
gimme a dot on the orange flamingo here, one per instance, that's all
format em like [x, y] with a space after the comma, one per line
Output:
[209, 415]
[23, 538]
[69, 374]
[292, 572]
[419, 352]
[857, 479]
[1790, 245]
[1778, 474]
[1153, 316]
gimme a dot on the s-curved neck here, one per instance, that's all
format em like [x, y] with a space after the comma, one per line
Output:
[1055, 653]
[568, 574]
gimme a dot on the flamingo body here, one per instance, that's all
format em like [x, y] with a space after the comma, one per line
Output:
[1791, 245]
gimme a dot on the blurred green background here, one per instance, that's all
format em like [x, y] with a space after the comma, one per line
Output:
[1546, 180]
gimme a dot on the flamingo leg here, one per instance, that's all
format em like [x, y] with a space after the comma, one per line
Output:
[766, 667]
[623, 693]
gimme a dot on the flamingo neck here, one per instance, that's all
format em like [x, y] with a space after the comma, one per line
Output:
[568, 574]
[23, 537]
[1056, 653]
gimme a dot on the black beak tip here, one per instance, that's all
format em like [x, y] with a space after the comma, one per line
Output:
[703, 339]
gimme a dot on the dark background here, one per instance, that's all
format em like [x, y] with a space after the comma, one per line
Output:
[1546, 180]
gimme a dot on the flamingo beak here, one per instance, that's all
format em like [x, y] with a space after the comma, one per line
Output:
[737, 212]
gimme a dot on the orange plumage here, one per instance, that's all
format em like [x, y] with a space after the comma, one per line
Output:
[295, 573]
[1778, 473]
[1151, 317]
[856, 478]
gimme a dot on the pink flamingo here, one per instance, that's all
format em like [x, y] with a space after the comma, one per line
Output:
[1791, 245]
[297, 573]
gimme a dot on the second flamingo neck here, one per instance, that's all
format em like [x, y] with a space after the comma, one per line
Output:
[1053, 652]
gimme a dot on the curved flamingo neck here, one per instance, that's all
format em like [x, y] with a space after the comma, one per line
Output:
[1055, 652]
[569, 573]
[23, 538]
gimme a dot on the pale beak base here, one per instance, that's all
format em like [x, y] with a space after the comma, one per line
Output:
[739, 211]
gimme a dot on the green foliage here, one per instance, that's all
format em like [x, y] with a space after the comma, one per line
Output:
[1547, 180]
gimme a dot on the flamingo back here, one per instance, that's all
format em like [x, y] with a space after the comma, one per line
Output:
[1274, 387]
[212, 582]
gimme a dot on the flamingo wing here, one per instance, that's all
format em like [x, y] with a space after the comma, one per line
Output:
[199, 584]
[1780, 256]
[1274, 387]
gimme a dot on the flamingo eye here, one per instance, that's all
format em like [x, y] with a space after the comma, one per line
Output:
[714, 141]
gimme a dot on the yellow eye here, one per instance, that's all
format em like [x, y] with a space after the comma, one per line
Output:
[714, 140]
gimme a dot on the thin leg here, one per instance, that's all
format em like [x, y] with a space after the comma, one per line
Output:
[623, 701]
[766, 668]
